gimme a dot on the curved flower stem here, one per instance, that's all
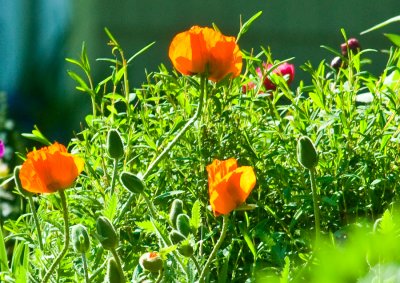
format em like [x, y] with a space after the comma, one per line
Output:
[216, 247]
[114, 176]
[66, 237]
[98, 271]
[118, 261]
[37, 224]
[85, 268]
[316, 205]
[160, 276]
[196, 263]
[155, 162]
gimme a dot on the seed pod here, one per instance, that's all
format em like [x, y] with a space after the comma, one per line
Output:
[18, 184]
[106, 232]
[183, 224]
[151, 261]
[176, 237]
[115, 145]
[80, 238]
[114, 273]
[186, 250]
[176, 209]
[131, 182]
[306, 153]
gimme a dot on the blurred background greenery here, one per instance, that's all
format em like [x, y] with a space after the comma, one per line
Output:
[36, 36]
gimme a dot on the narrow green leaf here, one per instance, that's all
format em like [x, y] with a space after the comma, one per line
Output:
[36, 135]
[385, 23]
[140, 51]
[79, 80]
[394, 38]
[117, 76]
[3, 253]
[85, 59]
[73, 61]
[195, 220]
[247, 25]
[248, 241]
[113, 40]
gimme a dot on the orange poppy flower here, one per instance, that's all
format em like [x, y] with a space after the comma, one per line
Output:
[229, 185]
[50, 169]
[203, 50]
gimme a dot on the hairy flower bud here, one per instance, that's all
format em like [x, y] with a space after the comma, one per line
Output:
[106, 232]
[183, 224]
[115, 145]
[306, 153]
[176, 209]
[131, 182]
[151, 261]
[186, 249]
[114, 273]
[80, 238]
[176, 237]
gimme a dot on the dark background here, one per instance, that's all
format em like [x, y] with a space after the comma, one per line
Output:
[36, 37]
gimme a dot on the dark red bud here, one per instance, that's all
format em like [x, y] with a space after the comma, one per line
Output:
[352, 44]
[337, 63]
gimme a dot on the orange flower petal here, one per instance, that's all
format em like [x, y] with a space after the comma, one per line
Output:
[50, 169]
[229, 185]
[202, 50]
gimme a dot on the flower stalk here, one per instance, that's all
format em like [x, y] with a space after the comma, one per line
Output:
[37, 223]
[66, 237]
[153, 164]
[216, 247]
[316, 205]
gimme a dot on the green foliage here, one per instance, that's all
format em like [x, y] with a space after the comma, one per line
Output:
[271, 237]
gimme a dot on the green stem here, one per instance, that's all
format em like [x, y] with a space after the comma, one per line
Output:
[114, 177]
[98, 270]
[316, 205]
[203, 86]
[149, 205]
[66, 237]
[160, 276]
[36, 220]
[216, 247]
[118, 261]
[196, 264]
[85, 268]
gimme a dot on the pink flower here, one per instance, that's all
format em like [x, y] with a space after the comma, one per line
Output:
[2, 149]
[285, 70]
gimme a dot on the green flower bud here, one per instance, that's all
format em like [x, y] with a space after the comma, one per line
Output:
[80, 238]
[106, 232]
[183, 224]
[115, 145]
[131, 182]
[151, 261]
[176, 209]
[114, 273]
[176, 237]
[186, 250]
[306, 153]
[18, 184]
